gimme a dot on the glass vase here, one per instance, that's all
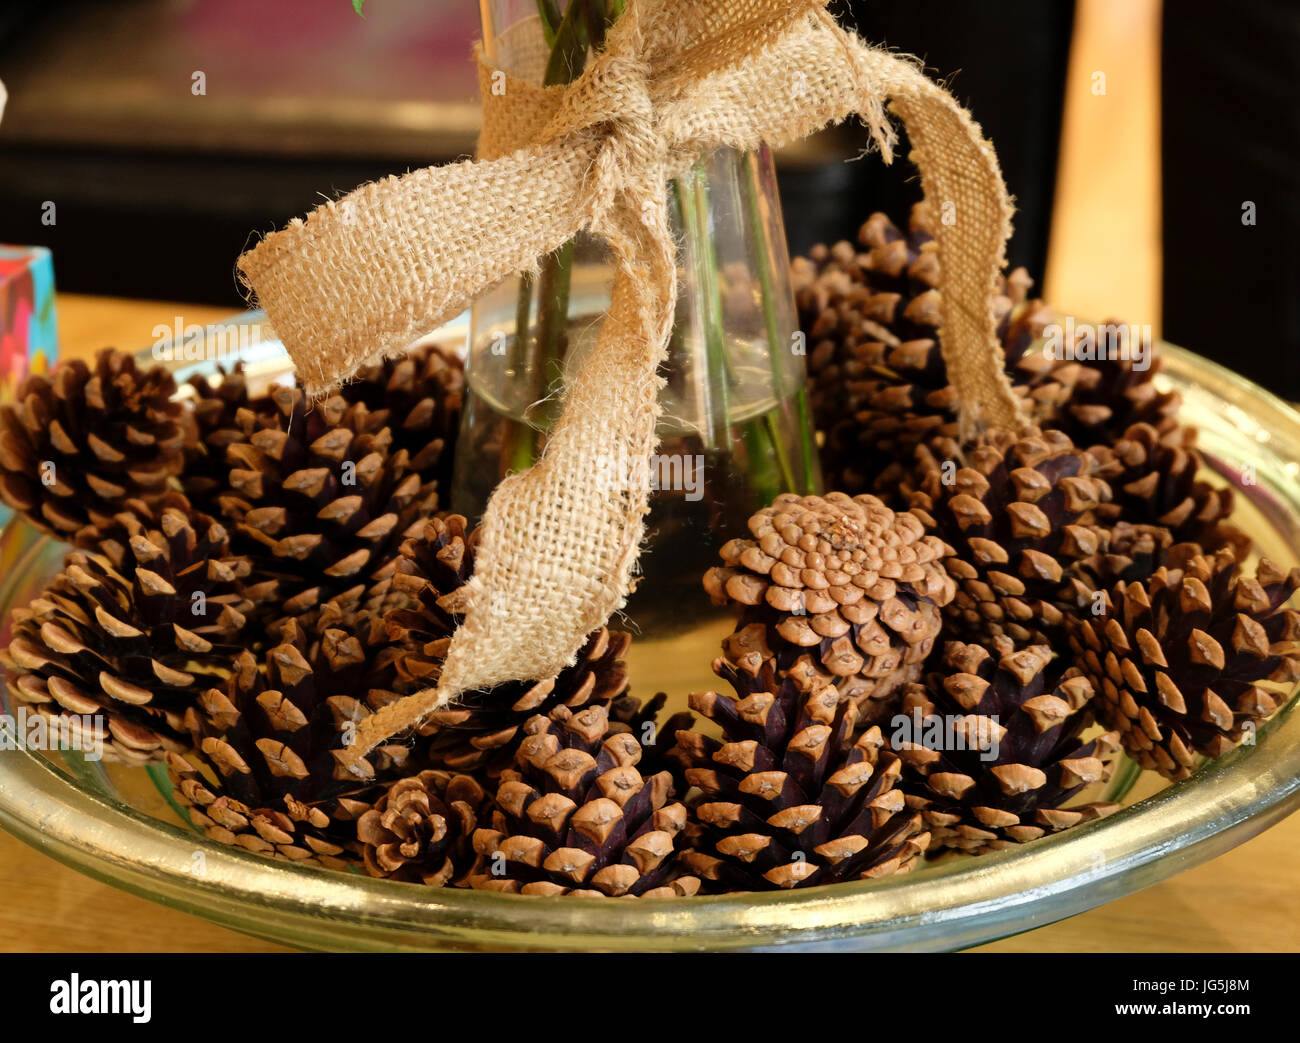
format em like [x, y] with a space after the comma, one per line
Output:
[735, 429]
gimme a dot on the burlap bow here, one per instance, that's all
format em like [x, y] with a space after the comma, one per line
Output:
[363, 277]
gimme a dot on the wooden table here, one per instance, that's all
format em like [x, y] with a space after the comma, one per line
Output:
[1246, 900]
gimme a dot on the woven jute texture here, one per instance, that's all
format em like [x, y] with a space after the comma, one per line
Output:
[364, 276]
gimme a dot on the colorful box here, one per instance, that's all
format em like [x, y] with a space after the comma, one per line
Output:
[28, 331]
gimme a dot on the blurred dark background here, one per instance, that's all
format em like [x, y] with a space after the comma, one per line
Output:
[157, 188]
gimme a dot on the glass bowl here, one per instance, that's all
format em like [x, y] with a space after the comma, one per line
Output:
[118, 825]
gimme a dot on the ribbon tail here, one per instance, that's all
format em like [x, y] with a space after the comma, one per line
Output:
[819, 75]
[363, 277]
[559, 541]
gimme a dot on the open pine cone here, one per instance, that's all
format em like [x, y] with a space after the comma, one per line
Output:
[419, 398]
[993, 748]
[1154, 481]
[269, 740]
[789, 798]
[1096, 400]
[77, 445]
[421, 830]
[316, 497]
[1018, 518]
[878, 384]
[151, 610]
[1180, 661]
[217, 403]
[576, 816]
[483, 730]
[834, 590]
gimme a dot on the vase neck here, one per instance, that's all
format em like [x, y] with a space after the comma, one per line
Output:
[513, 40]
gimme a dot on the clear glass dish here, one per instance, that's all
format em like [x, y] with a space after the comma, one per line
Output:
[117, 825]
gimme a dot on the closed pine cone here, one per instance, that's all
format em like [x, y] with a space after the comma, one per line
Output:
[1181, 662]
[147, 612]
[834, 589]
[576, 816]
[789, 798]
[993, 748]
[1018, 517]
[482, 731]
[421, 829]
[77, 445]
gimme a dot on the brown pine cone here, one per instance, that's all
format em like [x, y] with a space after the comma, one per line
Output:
[421, 829]
[482, 732]
[576, 816]
[137, 623]
[419, 398]
[217, 403]
[1018, 517]
[993, 748]
[77, 445]
[1180, 662]
[1154, 481]
[1124, 553]
[834, 589]
[788, 798]
[877, 381]
[319, 832]
[1096, 400]
[315, 496]
[269, 741]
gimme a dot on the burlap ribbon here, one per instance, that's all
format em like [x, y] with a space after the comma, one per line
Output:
[363, 277]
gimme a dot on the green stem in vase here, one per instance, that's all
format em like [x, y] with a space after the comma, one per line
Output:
[762, 447]
[691, 190]
[777, 346]
[569, 36]
[549, 12]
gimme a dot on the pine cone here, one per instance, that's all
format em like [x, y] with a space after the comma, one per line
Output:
[1125, 553]
[419, 398]
[134, 626]
[1179, 661]
[1154, 481]
[993, 748]
[316, 498]
[421, 829]
[77, 445]
[269, 741]
[217, 404]
[788, 798]
[483, 730]
[1018, 518]
[1096, 400]
[834, 589]
[575, 816]
[878, 384]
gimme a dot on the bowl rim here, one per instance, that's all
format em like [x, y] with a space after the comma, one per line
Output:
[1224, 803]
